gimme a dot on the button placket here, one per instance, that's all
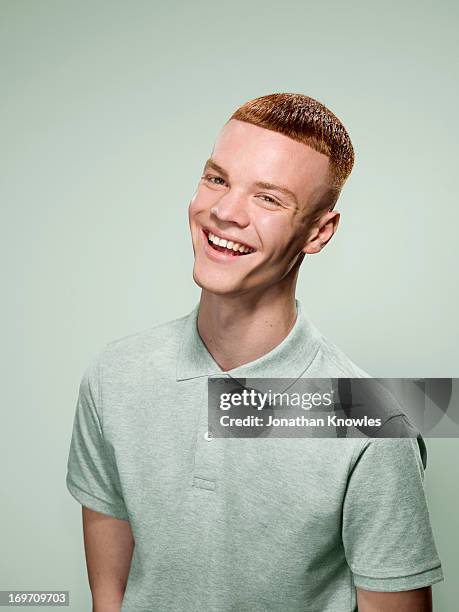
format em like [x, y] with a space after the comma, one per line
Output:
[207, 450]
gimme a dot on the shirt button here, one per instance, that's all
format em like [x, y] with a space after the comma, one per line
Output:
[208, 436]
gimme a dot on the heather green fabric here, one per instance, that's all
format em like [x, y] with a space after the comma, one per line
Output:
[243, 524]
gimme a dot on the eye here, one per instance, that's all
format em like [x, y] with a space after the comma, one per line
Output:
[270, 200]
[210, 179]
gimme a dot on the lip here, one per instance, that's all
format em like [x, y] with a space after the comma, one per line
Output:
[219, 256]
[206, 230]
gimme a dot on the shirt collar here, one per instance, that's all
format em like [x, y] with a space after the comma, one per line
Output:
[289, 359]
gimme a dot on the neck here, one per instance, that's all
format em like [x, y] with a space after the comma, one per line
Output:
[240, 329]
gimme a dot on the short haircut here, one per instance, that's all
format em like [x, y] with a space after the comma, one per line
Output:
[308, 121]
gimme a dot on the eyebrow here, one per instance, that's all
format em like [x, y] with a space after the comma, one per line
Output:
[210, 163]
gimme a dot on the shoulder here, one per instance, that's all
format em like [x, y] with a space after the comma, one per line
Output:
[146, 339]
[396, 452]
[149, 347]
[332, 361]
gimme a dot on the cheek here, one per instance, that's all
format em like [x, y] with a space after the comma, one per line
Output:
[192, 208]
[276, 234]
[202, 201]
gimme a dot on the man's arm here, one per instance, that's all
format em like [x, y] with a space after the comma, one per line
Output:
[109, 545]
[417, 600]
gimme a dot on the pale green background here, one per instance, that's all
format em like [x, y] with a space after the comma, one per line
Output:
[108, 111]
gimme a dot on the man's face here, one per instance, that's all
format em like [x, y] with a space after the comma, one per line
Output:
[255, 193]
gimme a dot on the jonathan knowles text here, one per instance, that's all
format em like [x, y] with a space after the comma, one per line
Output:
[257, 400]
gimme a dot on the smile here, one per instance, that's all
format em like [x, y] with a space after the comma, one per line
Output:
[227, 247]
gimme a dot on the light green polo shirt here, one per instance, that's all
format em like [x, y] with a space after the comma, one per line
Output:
[242, 525]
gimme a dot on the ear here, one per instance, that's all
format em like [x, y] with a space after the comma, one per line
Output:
[322, 231]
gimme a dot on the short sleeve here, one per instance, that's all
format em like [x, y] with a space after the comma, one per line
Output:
[92, 476]
[387, 535]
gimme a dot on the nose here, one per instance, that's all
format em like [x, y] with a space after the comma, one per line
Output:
[232, 208]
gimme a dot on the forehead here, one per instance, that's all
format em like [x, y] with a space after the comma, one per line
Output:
[251, 153]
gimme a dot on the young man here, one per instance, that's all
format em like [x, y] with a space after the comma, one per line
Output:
[175, 520]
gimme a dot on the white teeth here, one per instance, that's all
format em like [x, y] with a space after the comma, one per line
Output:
[229, 244]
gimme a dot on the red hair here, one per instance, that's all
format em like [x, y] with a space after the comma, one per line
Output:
[308, 121]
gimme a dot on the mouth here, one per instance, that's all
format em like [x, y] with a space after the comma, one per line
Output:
[227, 247]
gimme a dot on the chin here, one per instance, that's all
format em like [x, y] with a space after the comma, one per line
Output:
[216, 284]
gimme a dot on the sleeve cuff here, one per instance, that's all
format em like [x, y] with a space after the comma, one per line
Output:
[95, 503]
[400, 583]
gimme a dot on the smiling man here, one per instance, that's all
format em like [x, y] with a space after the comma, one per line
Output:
[176, 520]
